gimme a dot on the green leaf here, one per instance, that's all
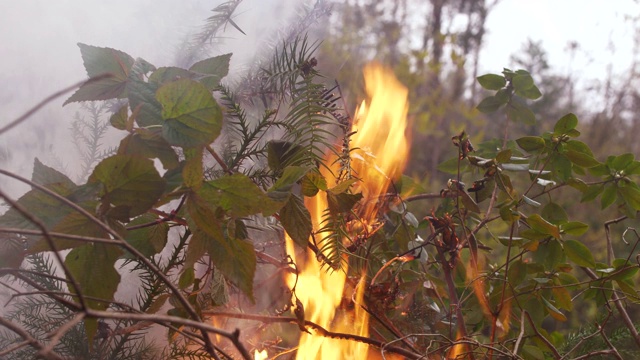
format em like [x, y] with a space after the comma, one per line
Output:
[565, 124]
[553, 311]
[290, 176]
[624, 270]
[450, 166]
[313, 182]
[212, 69]
[128, 181]
[531, 352]
[504, 156]
[579, 254]
[192, 117]
[120, 118]
[236, 259]
[186, 278]
[192, 172]
[608, 196]
[296, 220]
[489, 104]
[581, 159]
[148, 240]
[51, 178]
[492, 81]
[99, 61]
[554, 213]
[150, 144]
[146, 110]
[92, 266]
[628, 288]
[167, 74]
[531, 143]
[237, 195]
[592, 192]
[543, 226]
[531, 93]
[620, 162]
[519, 112]
[631, 196]
[574, 228]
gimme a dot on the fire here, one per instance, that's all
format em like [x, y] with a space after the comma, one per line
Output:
[381, 156]
[260, 355]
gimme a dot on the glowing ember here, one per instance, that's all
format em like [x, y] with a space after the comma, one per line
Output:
[383, 149]
[260, 355]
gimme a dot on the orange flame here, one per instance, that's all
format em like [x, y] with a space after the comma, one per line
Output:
[381, 156]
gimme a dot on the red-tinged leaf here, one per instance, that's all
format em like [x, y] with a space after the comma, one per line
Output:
[553, 311]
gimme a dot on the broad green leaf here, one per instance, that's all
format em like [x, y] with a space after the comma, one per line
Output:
[521, 113]
[554, 213]
[150, 144]
[290, 176]
[148, 240]
[237, 195]
[492, 81]
[574, 228]
[282, 153]
[504, 156]
[517, 272]
[212, 70]
[192, 172]
[566, 123]
[236, 259]
[489, 104]
[578, 146]
[628, 288]
[51, 178]
[120, 118]
[579, 254]
[146, 110]
[313, 182]
[450, 166]
[541, 225]
[620, 162]
[128, 181]
[608, 196]
[192, 116]
[631, 196]
[624, 269]
[186, 278]
[581, 159]
[342, 202]
[562, 166]
[531, 143]
[47, 209]
[531, 352]
[522, 82]
[296, 220]
[549, 254]
[531, 93]
[600, 170]
[92, 266]
[553, 311]
[99, 61]
[592, 192]
[73, 223]
[563, 298]
[633, 168]
[167, 74]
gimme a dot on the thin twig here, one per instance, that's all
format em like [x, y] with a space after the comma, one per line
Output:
[50, 98]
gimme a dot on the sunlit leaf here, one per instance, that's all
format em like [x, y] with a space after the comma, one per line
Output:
[296, 220]
[313, 182]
